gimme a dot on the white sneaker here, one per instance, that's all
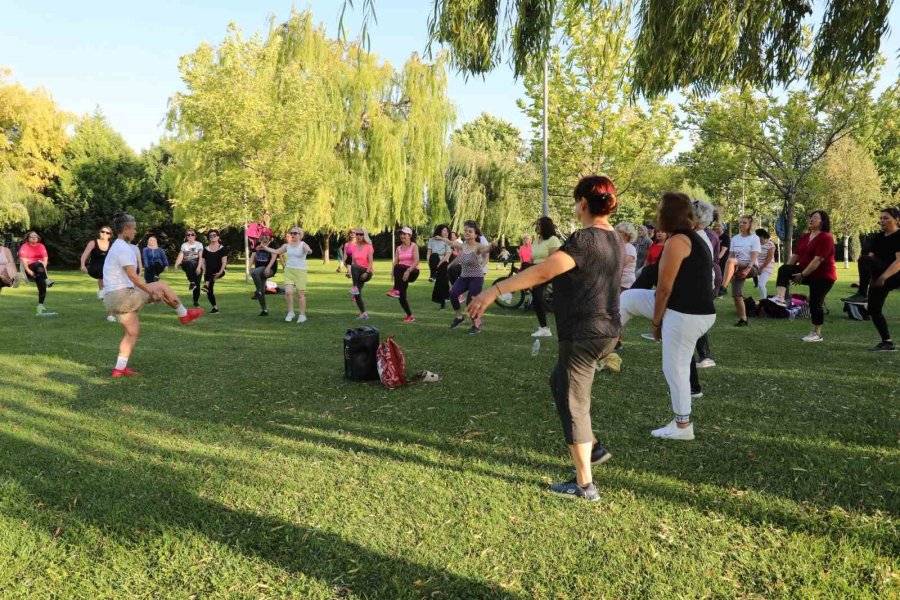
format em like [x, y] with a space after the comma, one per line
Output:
[673, 432]
[648, 336]
[99, 294]
[706, 363]
[778, 300]
[542, 332]
[290, 317]
[111, 318]
[301, 319]
[813, 337]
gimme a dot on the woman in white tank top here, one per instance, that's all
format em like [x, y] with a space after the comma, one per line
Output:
[295, 272]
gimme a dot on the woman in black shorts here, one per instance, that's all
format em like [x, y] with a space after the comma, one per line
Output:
[215, 259]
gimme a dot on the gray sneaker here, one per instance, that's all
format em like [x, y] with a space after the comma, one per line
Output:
[883, 347]
[571, 489]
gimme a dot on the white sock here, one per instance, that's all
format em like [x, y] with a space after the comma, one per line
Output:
[181, 311]
[121, 363]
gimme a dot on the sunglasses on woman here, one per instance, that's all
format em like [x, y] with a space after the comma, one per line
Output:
[105, 232]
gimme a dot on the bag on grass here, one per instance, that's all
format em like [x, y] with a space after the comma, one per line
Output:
[856, 312]
[391, 364]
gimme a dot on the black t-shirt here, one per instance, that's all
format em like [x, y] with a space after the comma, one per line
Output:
[586, 299]
[886, 247]
[214, 259]
[262, 260]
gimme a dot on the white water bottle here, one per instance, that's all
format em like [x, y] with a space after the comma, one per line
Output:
[536, 348]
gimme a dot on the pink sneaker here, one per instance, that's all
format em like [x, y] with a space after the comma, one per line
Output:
[462, 298]
[354, 291]
[409, 319]
[394, 294]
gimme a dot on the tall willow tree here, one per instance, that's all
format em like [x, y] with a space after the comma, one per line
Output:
[293, 127]
[488, 180]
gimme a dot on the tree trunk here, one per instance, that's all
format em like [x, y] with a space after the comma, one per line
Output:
[246, 255]
[789, 230]
[846, 251]
[326, 248]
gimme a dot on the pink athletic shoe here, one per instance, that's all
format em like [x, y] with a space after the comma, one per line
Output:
[394, 294]
[126, 372]
[193, 314]
[409, 319]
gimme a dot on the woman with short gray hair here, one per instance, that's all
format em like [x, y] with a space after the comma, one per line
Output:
[125, 293]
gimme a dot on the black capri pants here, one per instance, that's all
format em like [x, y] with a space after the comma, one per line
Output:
[570, 384]
[818, 289]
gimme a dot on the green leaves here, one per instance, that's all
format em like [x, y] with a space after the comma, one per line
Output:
[297, 128]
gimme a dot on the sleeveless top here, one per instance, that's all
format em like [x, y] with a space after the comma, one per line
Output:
[295, 256]
[692, 291]
[471, 264]
[406, 257]
[97, 255]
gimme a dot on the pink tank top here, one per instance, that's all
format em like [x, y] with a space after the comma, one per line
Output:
[361, 255]
[406, 257]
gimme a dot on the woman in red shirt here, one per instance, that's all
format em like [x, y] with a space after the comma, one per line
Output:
[812, 264]
[656, 249]
[33, 258]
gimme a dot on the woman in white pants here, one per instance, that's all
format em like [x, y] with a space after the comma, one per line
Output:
[681, 308]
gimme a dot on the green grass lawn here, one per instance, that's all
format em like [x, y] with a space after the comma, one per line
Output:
[241, 463]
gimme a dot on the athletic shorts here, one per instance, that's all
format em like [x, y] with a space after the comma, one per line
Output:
[737, 283]
[295, 277]
[126, 300]
[95, 270]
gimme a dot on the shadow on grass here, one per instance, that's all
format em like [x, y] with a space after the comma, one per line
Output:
[151, 495]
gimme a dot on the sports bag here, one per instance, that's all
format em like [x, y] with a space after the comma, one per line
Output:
[391, 364]
[856, 312]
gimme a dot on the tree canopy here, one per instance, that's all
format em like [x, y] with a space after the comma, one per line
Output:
[293, 127]
[678, 43]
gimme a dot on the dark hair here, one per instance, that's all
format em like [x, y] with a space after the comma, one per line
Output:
[121, 221]
[892, 210]
[441, 227]
[211, 231]
[600, 193]
[826, 220]
[675, 212]
[473, 225]
[762, 233]
[546, 228]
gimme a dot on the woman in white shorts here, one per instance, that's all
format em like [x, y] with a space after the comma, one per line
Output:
[125, 293]
[295, 271]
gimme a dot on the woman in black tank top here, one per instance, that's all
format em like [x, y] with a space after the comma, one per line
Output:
[96, 250]
[681, 309]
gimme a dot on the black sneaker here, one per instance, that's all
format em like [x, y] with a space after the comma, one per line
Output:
[742, 323]
[191, 287]
[255, 296]
[571, 489]
[457, 321]
[214, 310]
[205, 288]
[883, 347]
[474, 330]
[856, 299]
[264, 313]
[618, 346]
[599, 454]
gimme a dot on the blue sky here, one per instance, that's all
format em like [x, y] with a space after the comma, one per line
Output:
[123, 56]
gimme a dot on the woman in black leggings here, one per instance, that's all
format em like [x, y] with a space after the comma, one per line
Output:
[812, 264]
[879, 273]
[34, 259]
[189, 259]
[363, 256]
[406, 270]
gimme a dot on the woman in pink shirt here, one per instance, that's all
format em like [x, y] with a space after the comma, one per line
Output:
[363, 256]
[525, 252]
[406, 270]
[33, 258]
